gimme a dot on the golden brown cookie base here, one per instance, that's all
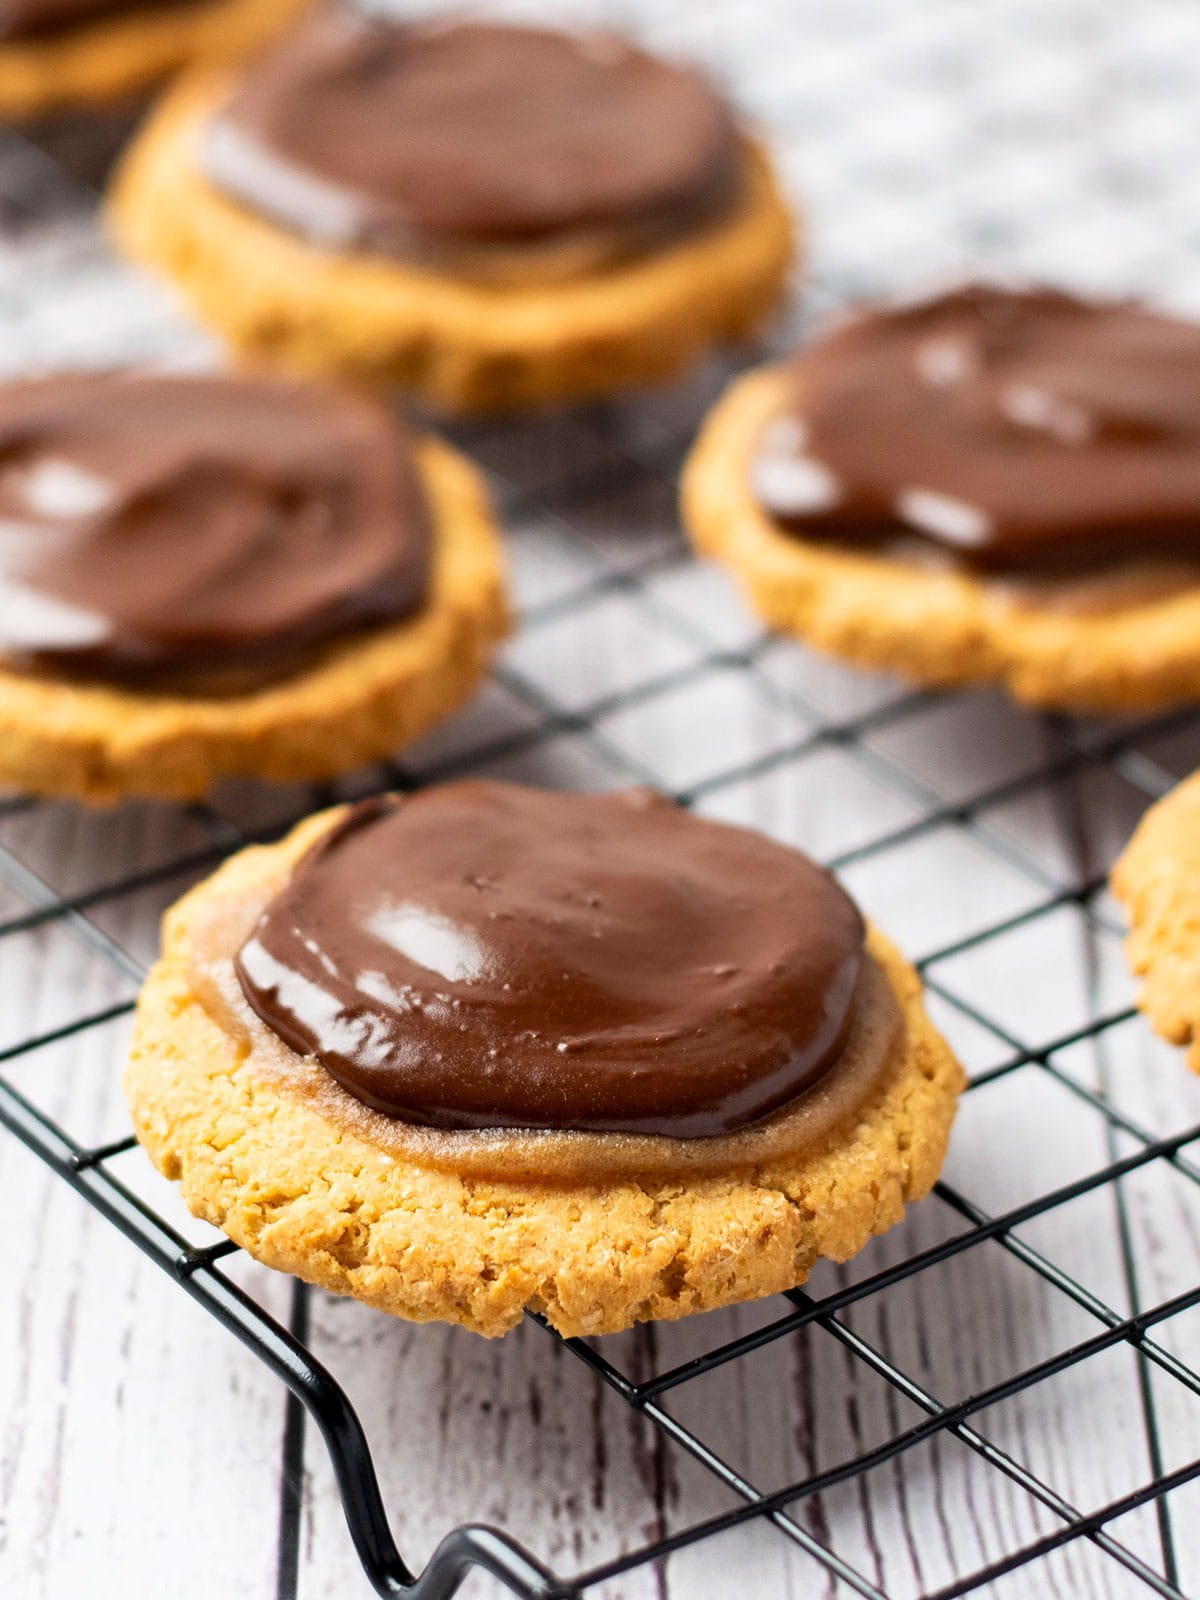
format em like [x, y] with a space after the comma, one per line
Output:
[1158, 879]
[118, 58]
[938, 628]
[306, 1193]
[464, 346]
[358, 702]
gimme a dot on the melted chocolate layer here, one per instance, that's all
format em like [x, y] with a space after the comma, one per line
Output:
[411, 138]
[488, 956]
[31, 19]
[1021, 431]
[157, 524]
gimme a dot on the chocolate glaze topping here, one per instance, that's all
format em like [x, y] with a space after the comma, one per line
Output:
[486, 956]
[156, 524]
[28, 19]
[409, 138]
[1021, 431]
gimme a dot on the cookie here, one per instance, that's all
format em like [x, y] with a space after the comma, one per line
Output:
[620, 1098]
[229, 575]
[988, 487]
[486, 247]
[95, 56]
[1158, 879]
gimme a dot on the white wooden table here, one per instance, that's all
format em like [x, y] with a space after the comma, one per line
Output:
[143, 1451]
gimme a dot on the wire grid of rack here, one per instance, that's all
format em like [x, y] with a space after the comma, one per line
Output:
[979, 834]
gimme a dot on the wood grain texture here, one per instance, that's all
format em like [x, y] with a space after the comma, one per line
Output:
[132, 1425]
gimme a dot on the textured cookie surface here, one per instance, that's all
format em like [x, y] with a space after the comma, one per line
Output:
[462, 345]
[1158, 878]
[933, 627]
[309, 1192]
[359, 701]
[120, 57]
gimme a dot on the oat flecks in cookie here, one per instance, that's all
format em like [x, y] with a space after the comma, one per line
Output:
[1158, 879]
[940, 628]
[306, 1194]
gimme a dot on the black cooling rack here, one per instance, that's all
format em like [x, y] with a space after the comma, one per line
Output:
[568, 487]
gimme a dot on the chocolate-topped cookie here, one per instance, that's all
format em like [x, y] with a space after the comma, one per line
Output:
[1157, 877]
[162, 529]
[494, 214]
[207, 574]
[64, 57]
[990, 484]
[491, 1049]
[1025, 433]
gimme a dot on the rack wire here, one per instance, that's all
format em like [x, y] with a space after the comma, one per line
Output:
[632, 665]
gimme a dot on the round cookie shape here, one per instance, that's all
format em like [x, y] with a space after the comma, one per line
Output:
[108, 57]
[162, 524]
[1157, 877]
[844, 549]
[383, 135]
[353, 699]
[484, 956]
[594, 1230]
[1019, 431]
[471, 325]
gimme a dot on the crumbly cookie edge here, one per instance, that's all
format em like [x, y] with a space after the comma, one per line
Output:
[1157, 879]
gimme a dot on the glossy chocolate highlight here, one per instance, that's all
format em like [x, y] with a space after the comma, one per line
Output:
[1019, 432]
[161, 529]
[486, 956]
[446, 143]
